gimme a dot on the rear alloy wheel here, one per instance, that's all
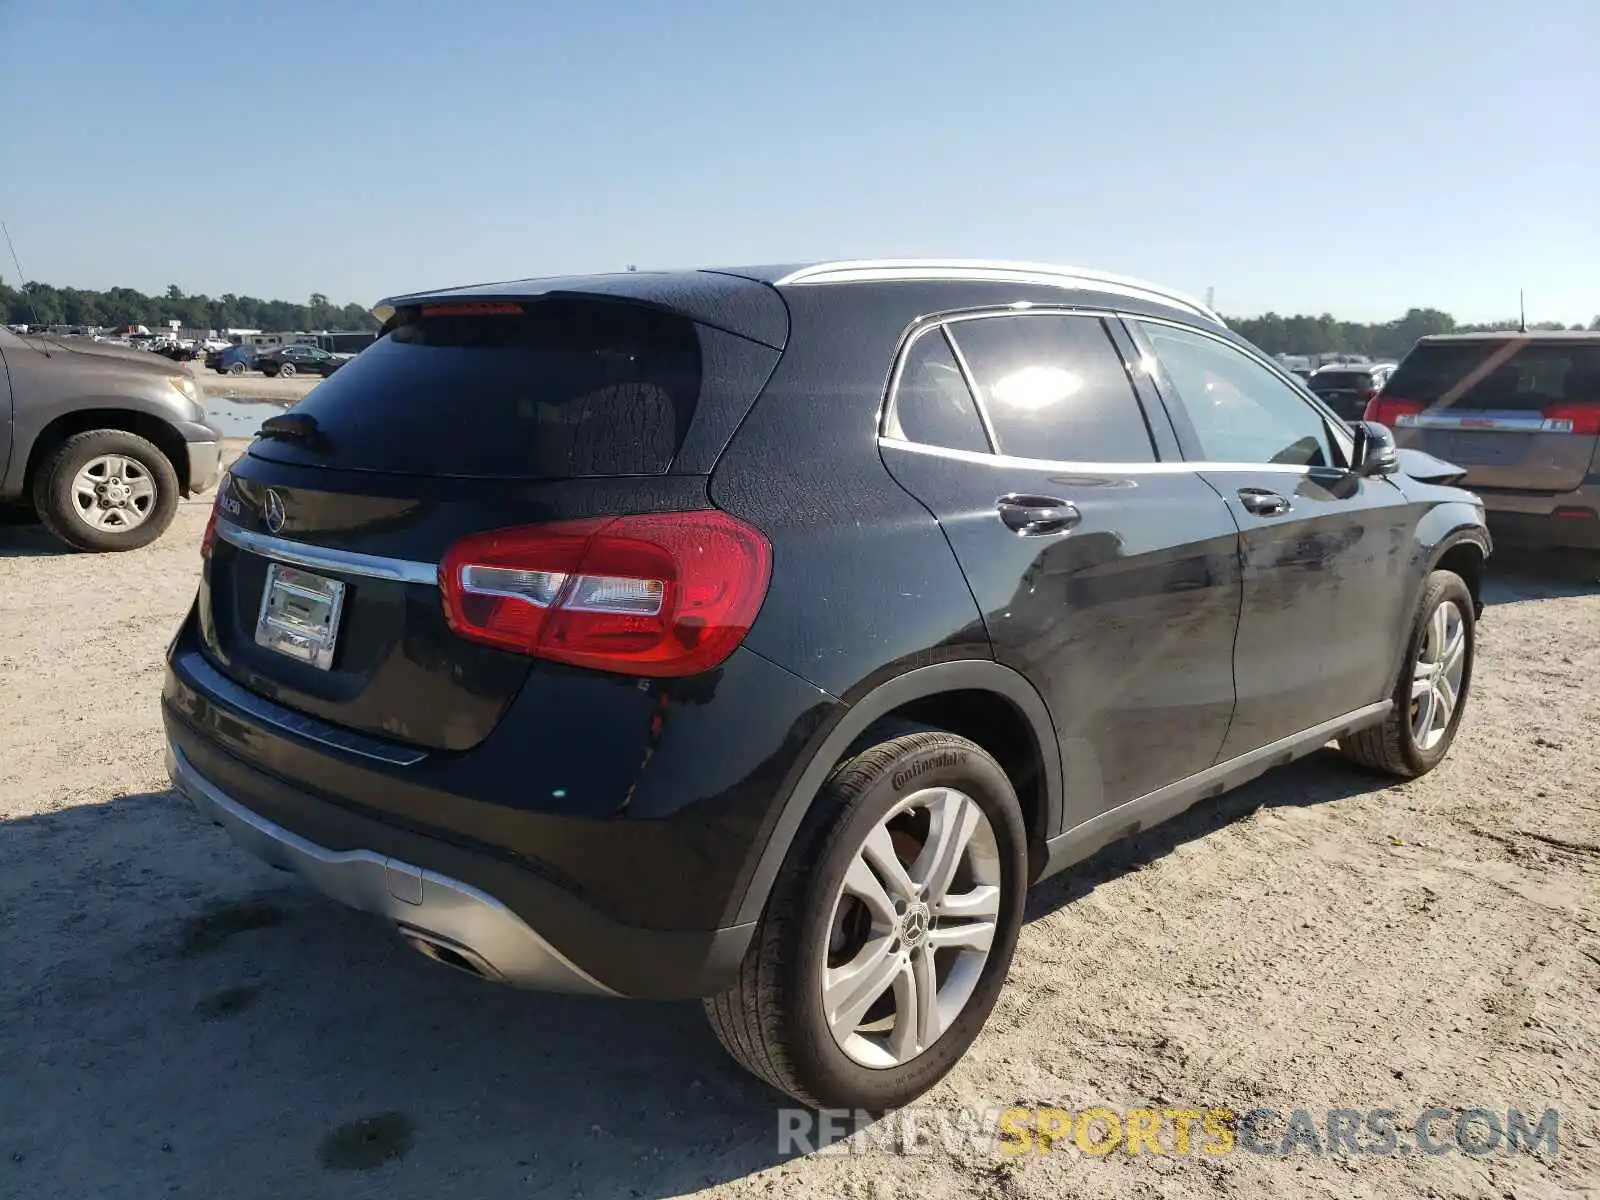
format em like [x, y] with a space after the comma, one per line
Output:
[287, 370]
[236, 368]
[1431, 692]
[889, 930]
[106, 490]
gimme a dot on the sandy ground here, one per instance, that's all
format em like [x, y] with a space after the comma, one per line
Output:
[176, 1019]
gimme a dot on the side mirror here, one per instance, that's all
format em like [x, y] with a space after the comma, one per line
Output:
[1374, 450]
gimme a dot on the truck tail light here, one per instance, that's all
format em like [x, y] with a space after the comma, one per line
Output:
[1391, 412]
[1577, 417]
[657, 594]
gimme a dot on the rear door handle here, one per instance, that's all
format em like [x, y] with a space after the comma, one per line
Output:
[1032, 516]
[1262, 502]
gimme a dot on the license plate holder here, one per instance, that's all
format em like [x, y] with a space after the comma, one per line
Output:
[299, 615]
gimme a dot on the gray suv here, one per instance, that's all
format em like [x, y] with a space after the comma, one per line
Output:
[100, 440]
[1520, 412]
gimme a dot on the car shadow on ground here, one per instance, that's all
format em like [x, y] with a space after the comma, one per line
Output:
[1323, 777]
[1515, 575]
[176, 1017]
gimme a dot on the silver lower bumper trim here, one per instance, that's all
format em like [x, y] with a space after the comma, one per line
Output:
[446, 919]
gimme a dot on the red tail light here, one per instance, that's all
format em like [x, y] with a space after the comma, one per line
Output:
[210, 535]
[656, 594]
[1390, 412]
[1579, 417]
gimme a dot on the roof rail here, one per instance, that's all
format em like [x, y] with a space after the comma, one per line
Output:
[882, 270]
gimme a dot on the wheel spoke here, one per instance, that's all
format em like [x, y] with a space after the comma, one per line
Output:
[861, 883]
[1439, 628]
[879, 851]
[954, 817]
[83, 488]
[1457, 648]
[916, 1008]
[1422, 682]
[140, 487]
[1423, 722]
[982, 901]
[967, 935]
[848, 991]
[1447, 698]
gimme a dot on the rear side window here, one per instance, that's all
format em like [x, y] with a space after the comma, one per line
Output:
[1514, 374]
[553, 389]
[932, 403]
[1054, 387]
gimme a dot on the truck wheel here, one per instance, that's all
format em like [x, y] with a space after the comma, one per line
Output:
[889, 931]
[106, 489]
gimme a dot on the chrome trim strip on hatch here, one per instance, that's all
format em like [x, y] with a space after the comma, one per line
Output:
[217, 687]
[325, 558]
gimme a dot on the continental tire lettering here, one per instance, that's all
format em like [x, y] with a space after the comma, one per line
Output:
[945, 758]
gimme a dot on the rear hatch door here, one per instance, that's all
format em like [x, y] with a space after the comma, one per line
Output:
[320, 590]
[1519, 413]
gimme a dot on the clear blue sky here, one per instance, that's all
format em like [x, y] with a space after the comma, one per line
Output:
[1353, 157]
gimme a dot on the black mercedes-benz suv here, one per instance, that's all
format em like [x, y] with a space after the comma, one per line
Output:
[761, 635]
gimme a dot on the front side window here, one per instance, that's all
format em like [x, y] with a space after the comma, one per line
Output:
[1054, 387]
[1241, 411]
[932, 403]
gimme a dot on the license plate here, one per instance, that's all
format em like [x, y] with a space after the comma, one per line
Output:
[300, 615]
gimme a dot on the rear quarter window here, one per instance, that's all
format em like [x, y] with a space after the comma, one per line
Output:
[1054, 387]
[553, 389]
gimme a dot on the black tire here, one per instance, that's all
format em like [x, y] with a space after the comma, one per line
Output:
[771, 1019]
[1392, 747]
[237, 368]
[53, 498]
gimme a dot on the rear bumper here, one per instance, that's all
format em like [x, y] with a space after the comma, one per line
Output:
[503, 922]
[443, 917]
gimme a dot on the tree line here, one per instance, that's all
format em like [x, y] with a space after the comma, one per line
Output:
[45, 304]
[1378, 340]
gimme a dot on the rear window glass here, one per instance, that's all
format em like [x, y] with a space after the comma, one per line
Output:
[555, 389]
[1514, 374]
[1340, 381]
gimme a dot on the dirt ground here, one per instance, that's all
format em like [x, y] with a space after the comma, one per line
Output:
[176, 1019]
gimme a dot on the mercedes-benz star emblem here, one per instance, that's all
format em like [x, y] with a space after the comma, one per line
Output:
[272, 511]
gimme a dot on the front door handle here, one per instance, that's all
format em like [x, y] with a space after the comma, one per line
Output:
[1262, 502]
[1032, 516]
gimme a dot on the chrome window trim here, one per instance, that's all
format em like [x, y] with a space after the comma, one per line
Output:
[937, 321]
[1172, 467]
[884, 270]
[325, 558]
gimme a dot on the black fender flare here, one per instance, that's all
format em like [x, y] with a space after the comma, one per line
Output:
[967, 674]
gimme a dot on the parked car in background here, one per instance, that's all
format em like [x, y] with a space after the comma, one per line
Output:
[235, 360]
[1519, 411]
[288, 361]
[1347, 389]
[691, 659]
[101, 441]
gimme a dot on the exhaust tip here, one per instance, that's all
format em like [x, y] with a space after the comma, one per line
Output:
[450, 954]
